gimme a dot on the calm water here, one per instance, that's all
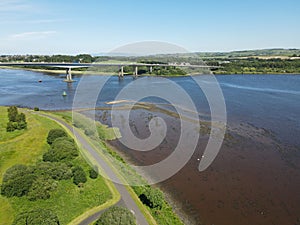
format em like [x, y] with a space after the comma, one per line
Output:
[256, 176]
[269, 101]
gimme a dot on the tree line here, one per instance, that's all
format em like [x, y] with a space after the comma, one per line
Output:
[37, 182]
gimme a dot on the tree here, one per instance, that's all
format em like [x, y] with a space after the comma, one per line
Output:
[54, 134]
[12, 113]
[40, 189]
[79, 175]
[17, 181]
[62, 149]
[93, 173]
[11, 126]
[116, 216]
[16, 120]
[152, 198]
[37, 217]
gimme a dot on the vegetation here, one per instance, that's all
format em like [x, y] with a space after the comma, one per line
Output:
[257, 66]
[93, 173]
[48, 185]
[116, 216]
[237, 62]
[62, 149]
[38, 217]
[152, 198]
[16, 121]
[91, 128]
[54, 134]
[79, 176]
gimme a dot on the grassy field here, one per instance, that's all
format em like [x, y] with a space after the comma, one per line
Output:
[26, 147]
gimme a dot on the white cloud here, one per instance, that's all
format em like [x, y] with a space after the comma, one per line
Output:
[13, 5]
[32, 35]
[37, 21]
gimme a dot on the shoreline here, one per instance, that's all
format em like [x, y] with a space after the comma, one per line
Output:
[91, 72]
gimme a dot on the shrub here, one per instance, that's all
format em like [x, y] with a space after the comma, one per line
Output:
[12, 113]
[21, 125]
[16, 121]
[79, 175]
[54, 134]
[116, 216]
[36, 109]
[17, 181]
[11, 126]
[62, 149]
[40, 189]
[21, 118]
[55, 170]
[37, 217]
[152, 197]
[93, 173]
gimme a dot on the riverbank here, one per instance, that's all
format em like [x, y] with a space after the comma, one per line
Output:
[94, 72]
[59, 71]
[27, 147]
[163, 212]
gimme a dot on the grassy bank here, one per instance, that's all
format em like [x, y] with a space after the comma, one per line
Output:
[27, 147]
[162, 211]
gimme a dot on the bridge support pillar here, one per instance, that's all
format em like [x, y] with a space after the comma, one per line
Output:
[121, 71]
[69, 75]
[150, 69]
[136, 71]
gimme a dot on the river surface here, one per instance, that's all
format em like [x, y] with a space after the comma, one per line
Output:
[255, 178]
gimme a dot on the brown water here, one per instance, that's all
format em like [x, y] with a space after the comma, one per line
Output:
[255, 179]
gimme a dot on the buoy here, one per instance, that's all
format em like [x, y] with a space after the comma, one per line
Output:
[64, 93]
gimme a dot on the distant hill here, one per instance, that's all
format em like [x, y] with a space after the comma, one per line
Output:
[252, 53]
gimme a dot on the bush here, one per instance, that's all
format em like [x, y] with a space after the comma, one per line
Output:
[16, 121]
[17, 181]
[11, 126]
[79, 175]
[62, 149]
[55, 170]
[36, 109]
[37, 217]
[21, 125]
[54, 134]
[116, 216]
[93, 173]
[152, 197]
[40, 189]
[21, 118]
[12, 113]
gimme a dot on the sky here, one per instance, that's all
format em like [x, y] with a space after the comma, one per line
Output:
[98, 26]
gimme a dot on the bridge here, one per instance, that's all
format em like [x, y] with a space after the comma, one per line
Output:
[70, 66]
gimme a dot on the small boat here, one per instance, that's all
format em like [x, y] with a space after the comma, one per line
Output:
[64, 93]
[40, 81]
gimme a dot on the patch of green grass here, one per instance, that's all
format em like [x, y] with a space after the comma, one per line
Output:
[68, 201]
[27, 147]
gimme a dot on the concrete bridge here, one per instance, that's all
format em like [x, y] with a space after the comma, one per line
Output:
[70, 66]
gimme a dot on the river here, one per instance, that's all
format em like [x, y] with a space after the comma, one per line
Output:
[255, 178]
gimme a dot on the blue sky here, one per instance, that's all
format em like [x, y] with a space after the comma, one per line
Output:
[74, 26]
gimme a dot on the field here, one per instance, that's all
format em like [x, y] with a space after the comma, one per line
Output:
[26, 147]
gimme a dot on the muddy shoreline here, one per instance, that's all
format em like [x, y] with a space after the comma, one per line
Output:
[254, 180]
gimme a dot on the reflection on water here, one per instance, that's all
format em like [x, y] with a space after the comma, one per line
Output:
[255, 178]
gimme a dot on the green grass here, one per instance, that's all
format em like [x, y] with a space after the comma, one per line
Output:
[26, 147]
[164, 216]
[68, 201]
